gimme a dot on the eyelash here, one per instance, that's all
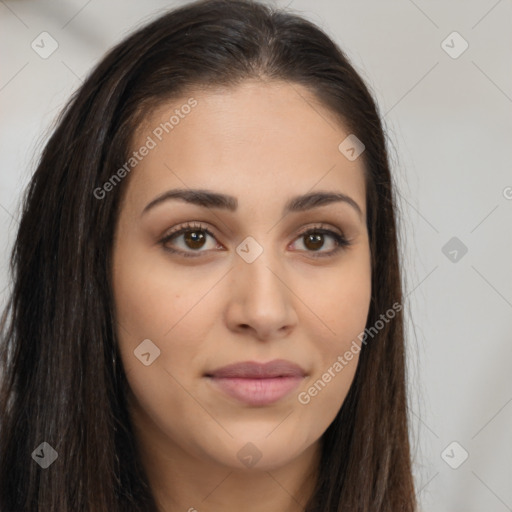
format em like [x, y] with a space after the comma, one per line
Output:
[340, 240]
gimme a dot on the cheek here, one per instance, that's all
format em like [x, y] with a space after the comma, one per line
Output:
[153, 305]
[341, 305]
[155, 302]
[143, 297]
[152, 297]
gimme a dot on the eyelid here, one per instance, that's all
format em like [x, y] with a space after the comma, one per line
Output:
[198, 225]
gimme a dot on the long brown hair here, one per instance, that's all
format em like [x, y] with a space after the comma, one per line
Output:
[59, 384]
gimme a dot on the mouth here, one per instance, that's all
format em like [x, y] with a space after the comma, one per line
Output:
[257, 384]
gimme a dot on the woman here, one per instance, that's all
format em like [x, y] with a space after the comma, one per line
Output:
[206, 312]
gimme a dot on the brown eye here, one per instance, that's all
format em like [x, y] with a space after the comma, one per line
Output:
[314, 240]
[193, 239]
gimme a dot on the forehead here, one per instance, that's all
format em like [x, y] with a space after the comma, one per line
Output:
[264, 139]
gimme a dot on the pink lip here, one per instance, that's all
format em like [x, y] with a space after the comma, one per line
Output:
[256, 383]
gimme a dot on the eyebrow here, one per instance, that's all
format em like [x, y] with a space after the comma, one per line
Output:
[209, 199]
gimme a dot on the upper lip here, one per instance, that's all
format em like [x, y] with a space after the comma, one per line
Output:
[255, 370]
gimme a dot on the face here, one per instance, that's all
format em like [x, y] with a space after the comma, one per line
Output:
[264, 275]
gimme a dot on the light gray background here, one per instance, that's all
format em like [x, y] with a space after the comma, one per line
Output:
[449, 122]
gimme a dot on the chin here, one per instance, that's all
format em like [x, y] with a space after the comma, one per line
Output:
[248, 454]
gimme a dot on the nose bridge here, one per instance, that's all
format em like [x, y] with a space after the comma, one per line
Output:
[262, 299]
[259, 271]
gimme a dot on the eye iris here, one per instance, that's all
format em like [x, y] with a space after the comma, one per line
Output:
[316, 239]
[194, 239]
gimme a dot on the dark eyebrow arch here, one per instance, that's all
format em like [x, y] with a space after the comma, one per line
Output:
[209, 199]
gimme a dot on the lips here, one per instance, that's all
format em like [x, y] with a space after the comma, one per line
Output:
[254, 370]
[257, 384]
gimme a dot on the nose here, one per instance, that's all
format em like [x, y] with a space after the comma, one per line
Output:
[261, 300]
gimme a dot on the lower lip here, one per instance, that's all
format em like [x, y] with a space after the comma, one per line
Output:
[257, 391]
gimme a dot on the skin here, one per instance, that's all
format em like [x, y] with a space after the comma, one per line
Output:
[262, 142]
